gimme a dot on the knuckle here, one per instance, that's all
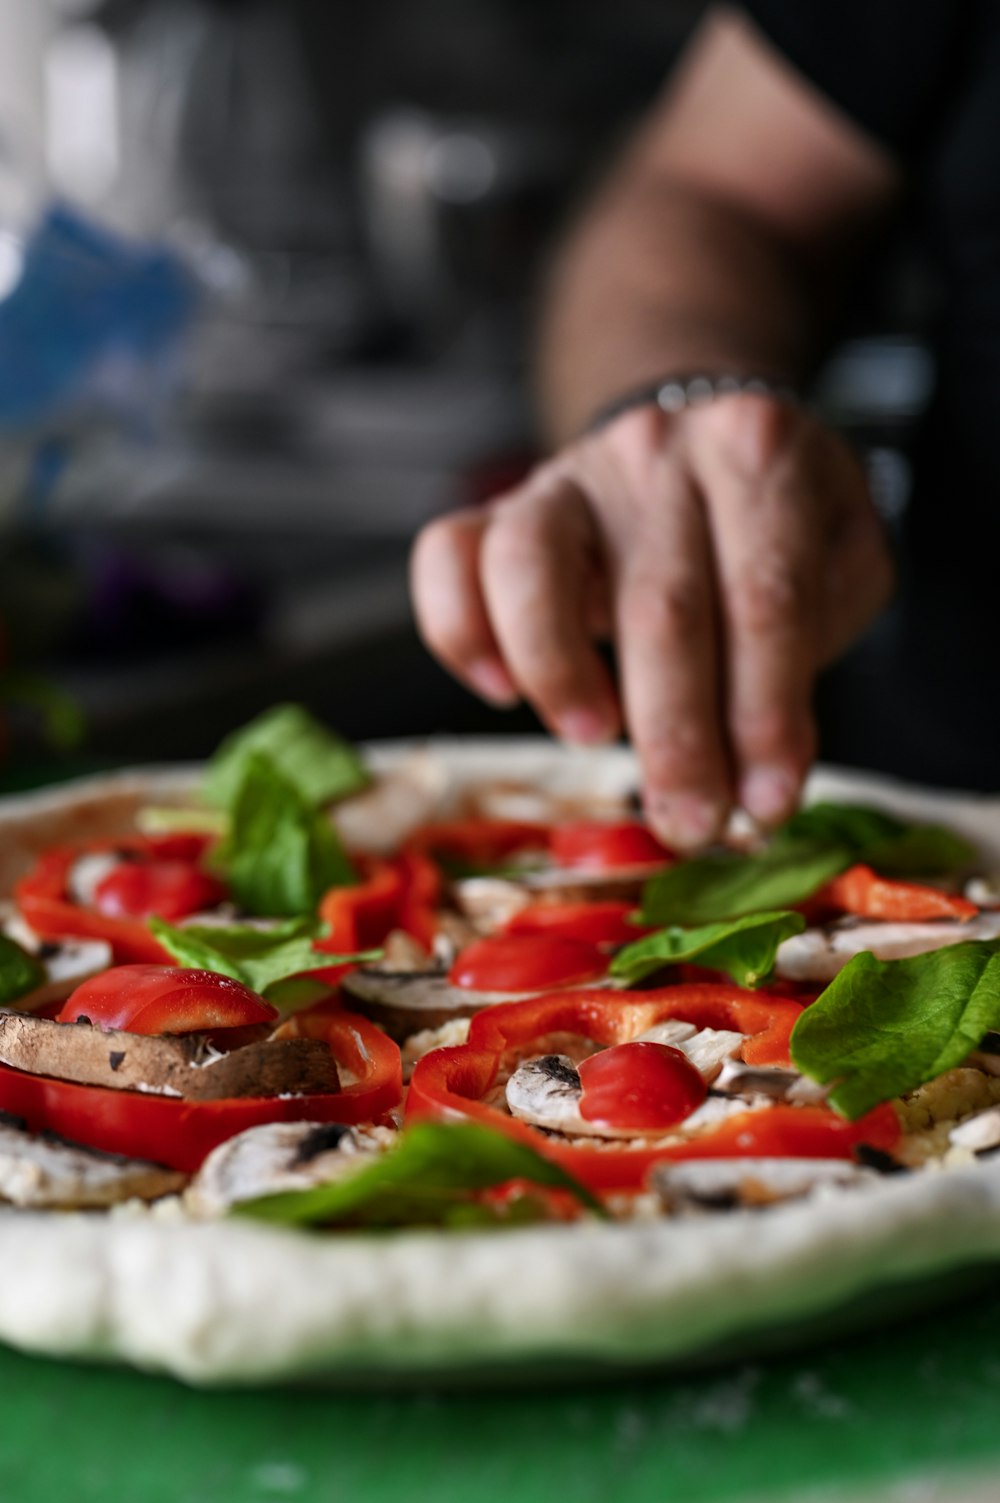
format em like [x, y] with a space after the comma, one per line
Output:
[674, 610]
[770, 597]
[518, 537]
[553, 677]
[778, 732]
[750, 429]
[684, 756]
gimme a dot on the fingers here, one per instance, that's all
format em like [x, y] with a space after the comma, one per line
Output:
[541, 570]
[668, 659]
[449, 607]
[767, 536]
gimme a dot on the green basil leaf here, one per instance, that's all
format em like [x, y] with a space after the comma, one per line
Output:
[883, 1027]
[890, 845]
[744, 948]
[854, 827]
[726, 885]
[20, 972]
[320, 765]
[815, 845]
[425, 1179]
[921, 851]
[280, 855]
[260, 958]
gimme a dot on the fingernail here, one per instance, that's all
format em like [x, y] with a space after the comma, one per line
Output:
[687, 820]
[769, 793]
[491, 679]
[585, 727]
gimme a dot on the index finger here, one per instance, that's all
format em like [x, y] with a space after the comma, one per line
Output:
[665, 611]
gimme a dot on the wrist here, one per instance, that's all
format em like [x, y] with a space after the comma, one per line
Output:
[677, 392]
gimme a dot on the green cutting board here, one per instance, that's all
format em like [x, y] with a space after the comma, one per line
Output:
[871, 1416]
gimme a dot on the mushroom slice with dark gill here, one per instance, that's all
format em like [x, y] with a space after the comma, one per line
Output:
[980, 1133]
[67, 962]
[405, 1002]
[820, 954]
[725, 1184]
[39, 1170]
[281, 1156]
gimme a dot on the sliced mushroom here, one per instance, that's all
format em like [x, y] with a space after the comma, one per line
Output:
[984, 891]
[491, 901]
[68, 962]
[281, 1156]
[737, 1079]
[819, 954]
[724, 1184]
[979, 1133]
[174, 1065]
[547, 1092]
[41, 1170]
[405, 1002]
[89, 871]
[381, 818]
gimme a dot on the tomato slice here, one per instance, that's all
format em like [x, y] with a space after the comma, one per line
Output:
[165, 999]
[604, 923]
[526, 963]
[593, 845]
[169, 889]
[641, 1085]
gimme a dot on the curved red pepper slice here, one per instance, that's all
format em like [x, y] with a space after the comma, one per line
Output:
[360, 916]
[361, 1048]
[422, 884]
[180, 1133]
[862, 892]
[43, 898]
[451, 1083]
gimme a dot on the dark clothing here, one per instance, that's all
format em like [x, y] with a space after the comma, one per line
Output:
[922, 698]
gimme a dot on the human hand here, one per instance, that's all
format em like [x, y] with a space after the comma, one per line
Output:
[730, 551]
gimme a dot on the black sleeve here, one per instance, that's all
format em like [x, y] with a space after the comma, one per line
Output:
[890, 65]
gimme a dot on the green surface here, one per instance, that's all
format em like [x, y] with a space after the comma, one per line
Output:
[894, 1405]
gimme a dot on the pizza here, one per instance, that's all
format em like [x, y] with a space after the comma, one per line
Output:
[432, 1060]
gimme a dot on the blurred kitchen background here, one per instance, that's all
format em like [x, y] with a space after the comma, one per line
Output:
[267, 270]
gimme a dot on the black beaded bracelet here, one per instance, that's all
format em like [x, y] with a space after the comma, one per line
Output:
[675, 393]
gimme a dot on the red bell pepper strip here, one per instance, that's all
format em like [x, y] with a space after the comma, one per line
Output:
[362, 1050]
[361, 916]
[800, 1132]
[861, 891]
[181, 1133]
[422, 884]
[450, 1084]
[42, 895]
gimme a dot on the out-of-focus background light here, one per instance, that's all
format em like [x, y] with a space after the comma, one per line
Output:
[306, 331]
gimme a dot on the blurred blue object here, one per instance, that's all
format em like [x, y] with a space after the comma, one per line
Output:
[89, 333]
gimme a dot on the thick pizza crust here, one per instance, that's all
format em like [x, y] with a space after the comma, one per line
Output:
[230, 1302]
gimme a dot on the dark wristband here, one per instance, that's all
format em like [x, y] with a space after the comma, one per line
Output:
[673, 394]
